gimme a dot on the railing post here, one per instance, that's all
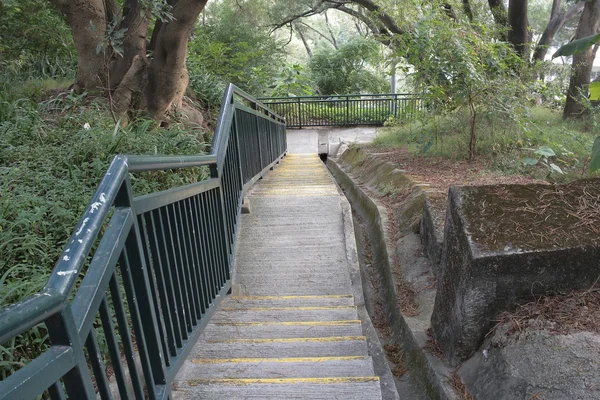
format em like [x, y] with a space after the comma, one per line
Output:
[141, 301]
[62, 331]
[260, 150]
[347, 110]
[299, 114]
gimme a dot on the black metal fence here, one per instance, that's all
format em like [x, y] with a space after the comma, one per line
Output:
[161, 265]
[346, 110]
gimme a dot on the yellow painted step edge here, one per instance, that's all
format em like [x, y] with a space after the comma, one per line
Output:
[330, 296]
[276, 360]
[291, 340]
[307, 308]
[250, 381]
[289, 323]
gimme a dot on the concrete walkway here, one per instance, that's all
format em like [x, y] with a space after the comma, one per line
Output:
[292, 331]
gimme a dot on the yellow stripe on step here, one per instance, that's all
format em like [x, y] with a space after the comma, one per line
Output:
[291, 340]
[291, 323]
[308, 308]
[275, 360]
[251, 381]
[330, 296]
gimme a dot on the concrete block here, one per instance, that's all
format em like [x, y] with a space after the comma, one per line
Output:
[246, 206]
[505, 244]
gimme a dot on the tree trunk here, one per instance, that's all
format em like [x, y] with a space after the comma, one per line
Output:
[135, 20]
[557, 21]
[467, 9]
[168, 76]
[333, 40]
[87, 19]
[589, 23]
[304, 41]
[500, 16]
[517, 20]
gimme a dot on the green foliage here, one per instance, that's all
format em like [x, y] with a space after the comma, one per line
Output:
[52, 157]
[35, 42]
[543, 156]
[349, 69]
[595, 160]
[503, 142]
[292, 81]
[577, 46]
[234, 47]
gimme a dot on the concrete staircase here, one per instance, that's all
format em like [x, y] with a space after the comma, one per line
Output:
[292, 331]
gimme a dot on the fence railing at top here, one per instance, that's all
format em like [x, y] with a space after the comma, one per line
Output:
[161, 265]
[346, 110]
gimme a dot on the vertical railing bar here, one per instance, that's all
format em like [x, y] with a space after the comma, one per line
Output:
[192, 259]
[215, 265]
[175, 269]
[209, 249]
[221, 256]
[185, 241]
[113, 349]
[123, 325]
[165, 236]
[98, 368]
[137, 324]
[209, 285]
[168, 312]
[206, 246]
[56, 391]
[200, 260]
[158, 304]
[180, 268]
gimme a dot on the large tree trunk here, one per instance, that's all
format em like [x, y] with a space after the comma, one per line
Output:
[87, 19]
[557, 21]
[517, 20]
[581, 68]
[131, 80]
[168, 76]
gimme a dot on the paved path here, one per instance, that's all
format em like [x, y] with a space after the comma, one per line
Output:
[306, 140]
[293, 332]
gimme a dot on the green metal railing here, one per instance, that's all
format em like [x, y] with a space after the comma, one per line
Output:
[160, 266]
[346, 110]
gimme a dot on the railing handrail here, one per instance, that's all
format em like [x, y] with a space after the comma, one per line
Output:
[64, 275]
[294, 98]
[18, 318]
[346, 109]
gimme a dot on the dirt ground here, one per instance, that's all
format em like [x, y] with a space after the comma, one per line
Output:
[441, 173]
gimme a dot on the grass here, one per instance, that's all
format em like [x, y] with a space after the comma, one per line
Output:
[53, 154]
[503, 142]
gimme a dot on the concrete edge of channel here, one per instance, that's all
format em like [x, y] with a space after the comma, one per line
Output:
[380, 364]
[435, 375]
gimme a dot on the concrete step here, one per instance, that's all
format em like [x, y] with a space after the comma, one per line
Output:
[280, 314]
[295, 329]
[296, 367]
[366, 388]
[295, 289]
[287, 301]
[282, 348]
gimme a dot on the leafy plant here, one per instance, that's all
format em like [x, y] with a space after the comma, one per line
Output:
[544, 154]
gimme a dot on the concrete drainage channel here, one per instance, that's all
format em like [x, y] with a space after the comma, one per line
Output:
[418, 373]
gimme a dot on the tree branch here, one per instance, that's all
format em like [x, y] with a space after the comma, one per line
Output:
[556, 23]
